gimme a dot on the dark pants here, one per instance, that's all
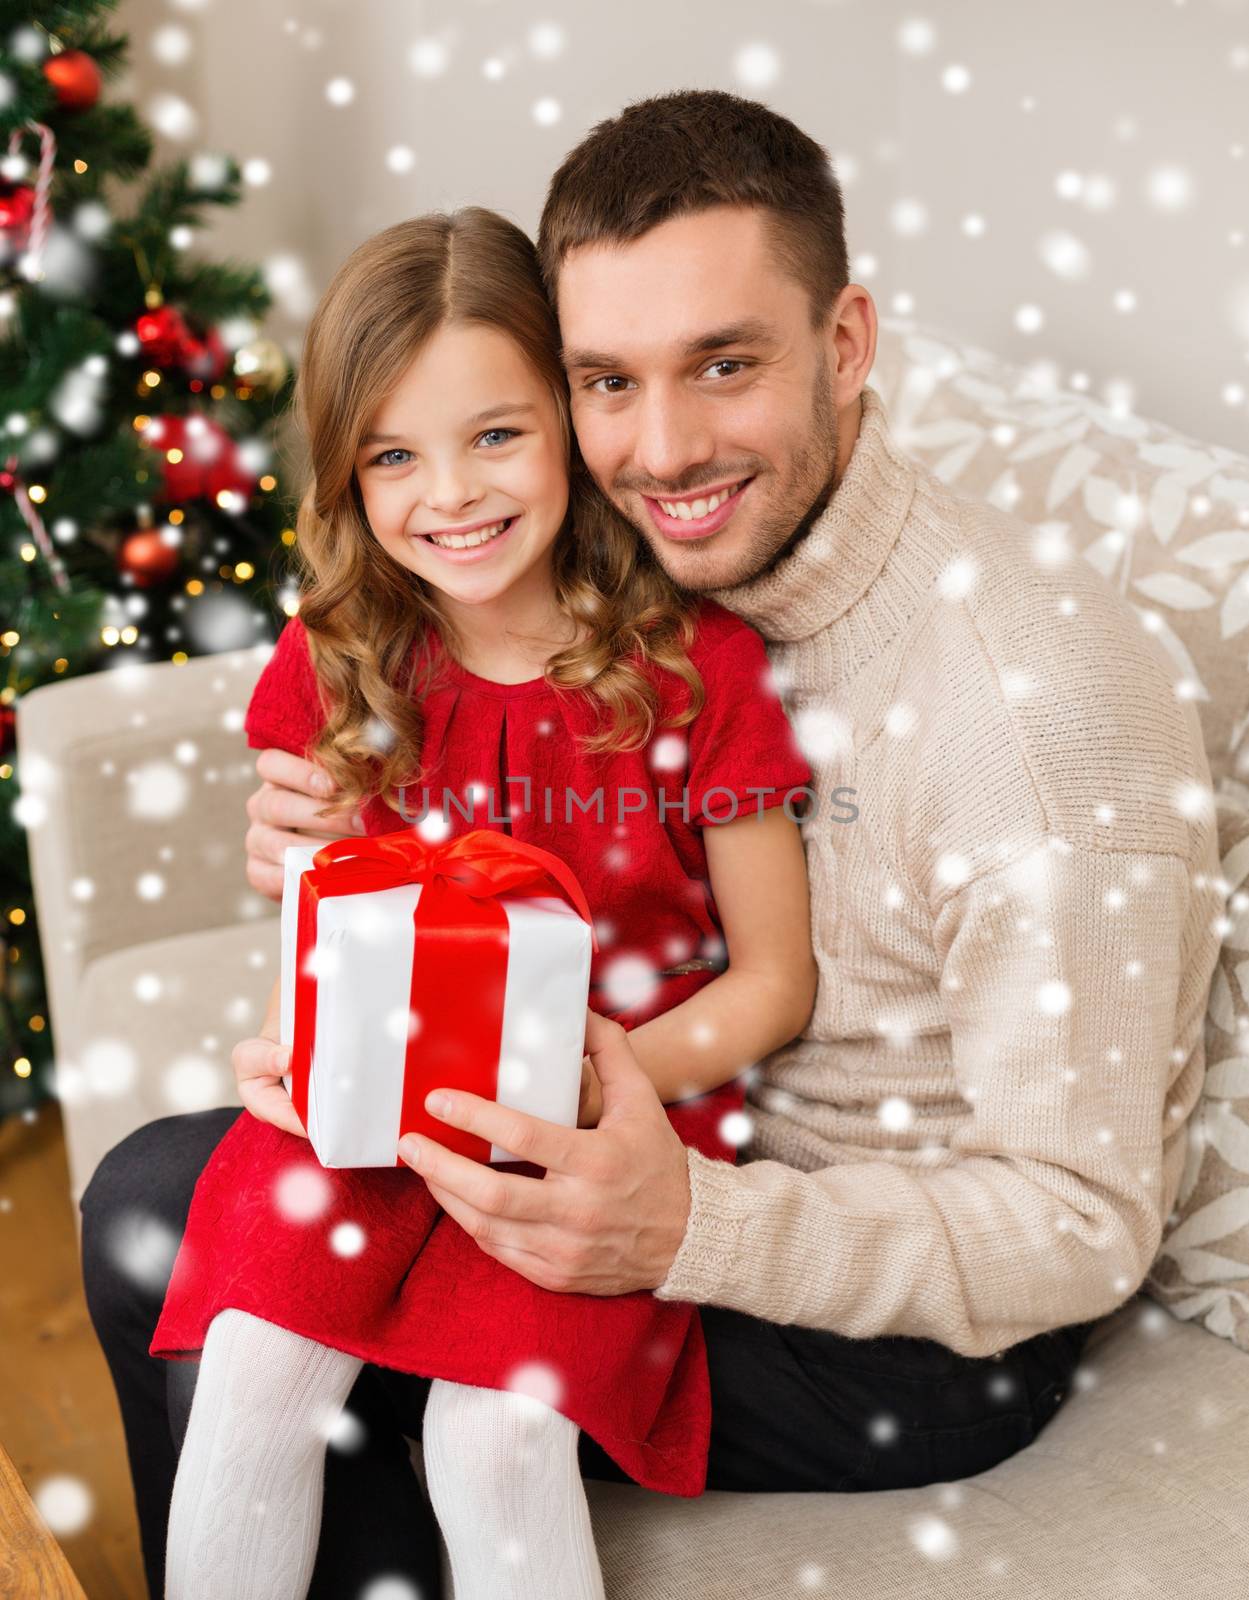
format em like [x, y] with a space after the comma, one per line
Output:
[792, 1408]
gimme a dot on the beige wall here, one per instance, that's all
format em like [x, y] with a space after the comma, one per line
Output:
[1142, 104]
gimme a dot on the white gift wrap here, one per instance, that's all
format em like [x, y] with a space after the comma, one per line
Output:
[364, 978]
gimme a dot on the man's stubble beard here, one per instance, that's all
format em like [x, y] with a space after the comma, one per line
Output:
[814, 481]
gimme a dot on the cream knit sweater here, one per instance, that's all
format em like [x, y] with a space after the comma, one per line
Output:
[981, 1131]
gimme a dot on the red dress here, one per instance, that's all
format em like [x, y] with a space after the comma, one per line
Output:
[420, 1296]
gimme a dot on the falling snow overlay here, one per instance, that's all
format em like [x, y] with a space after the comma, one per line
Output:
[1050, 209]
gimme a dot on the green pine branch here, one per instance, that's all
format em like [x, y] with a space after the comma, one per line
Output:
[219, 289]
[65, 18]
[109, 138]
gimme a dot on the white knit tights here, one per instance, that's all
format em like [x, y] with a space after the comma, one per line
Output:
[244, 1521]
[246, 1507]
[503, 1479]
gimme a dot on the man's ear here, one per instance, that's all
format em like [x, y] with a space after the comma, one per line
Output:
[850, 332]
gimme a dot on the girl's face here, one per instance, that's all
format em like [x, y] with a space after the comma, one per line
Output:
[468, 448]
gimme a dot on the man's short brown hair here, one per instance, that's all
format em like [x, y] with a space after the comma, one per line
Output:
[675, 154]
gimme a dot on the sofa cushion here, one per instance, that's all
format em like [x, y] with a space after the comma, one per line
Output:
[1163, 517]
[1136, 1486]
[161, 1020]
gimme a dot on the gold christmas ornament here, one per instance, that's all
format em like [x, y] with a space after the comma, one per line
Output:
[261, 364]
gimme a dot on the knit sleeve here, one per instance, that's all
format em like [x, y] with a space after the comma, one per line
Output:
[285, 708]
[743, 756]
[1061, 978]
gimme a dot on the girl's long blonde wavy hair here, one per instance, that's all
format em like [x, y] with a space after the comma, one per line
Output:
[366, 616]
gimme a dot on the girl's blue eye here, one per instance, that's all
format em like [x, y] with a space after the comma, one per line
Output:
[382, 461]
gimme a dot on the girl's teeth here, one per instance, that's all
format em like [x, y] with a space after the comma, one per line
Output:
[689, 511]
[466, 541]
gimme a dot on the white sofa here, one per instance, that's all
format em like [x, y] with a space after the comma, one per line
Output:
[159, 957]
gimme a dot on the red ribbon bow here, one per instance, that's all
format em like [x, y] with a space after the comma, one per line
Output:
[460, 930]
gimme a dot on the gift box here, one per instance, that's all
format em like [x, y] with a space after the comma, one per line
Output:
[408, 966]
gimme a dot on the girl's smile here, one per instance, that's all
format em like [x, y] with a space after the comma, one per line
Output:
[474, 542]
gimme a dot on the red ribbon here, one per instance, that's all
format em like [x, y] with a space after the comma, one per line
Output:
[459, 958]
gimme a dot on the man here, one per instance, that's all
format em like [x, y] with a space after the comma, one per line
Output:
[967, 1157]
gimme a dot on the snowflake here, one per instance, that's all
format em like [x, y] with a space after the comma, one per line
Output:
[538, 1381]
[157, 792]
[629, 981]
[933, 1537]
[347, 1239]
[65, 1503]
[302, 1192]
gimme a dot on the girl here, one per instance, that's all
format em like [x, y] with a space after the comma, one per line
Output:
[474, 614]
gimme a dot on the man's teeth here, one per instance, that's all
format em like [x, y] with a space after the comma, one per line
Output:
[691, 510]
[466, 541]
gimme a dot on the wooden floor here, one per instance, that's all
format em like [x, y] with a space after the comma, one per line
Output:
[58, 1412]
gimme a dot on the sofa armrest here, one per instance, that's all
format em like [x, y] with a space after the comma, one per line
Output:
[134, 786]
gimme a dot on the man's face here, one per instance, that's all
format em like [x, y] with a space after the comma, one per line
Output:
[702, 398]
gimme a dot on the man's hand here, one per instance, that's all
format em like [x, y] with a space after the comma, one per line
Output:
[282, 812]
[590, 1108]
[608, 1216]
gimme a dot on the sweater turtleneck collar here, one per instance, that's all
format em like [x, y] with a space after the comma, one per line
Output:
[847, 546]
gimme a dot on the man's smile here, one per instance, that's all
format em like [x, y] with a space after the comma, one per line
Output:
[698, 515]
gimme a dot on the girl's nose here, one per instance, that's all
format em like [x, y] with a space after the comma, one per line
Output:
[450, 492]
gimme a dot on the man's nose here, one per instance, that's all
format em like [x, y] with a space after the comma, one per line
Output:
[672, 437]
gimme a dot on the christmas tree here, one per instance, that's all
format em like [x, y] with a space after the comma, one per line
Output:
[139, 409]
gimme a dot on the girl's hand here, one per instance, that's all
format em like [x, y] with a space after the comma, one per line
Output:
[591, 1107]
[258, 1067]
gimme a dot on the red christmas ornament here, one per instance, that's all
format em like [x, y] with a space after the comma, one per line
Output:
[164, 336]
[168, 341]
[207, 358]
[147, 558]
[206, 458]
[75, 78]
[8, 729]
[17, 205]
